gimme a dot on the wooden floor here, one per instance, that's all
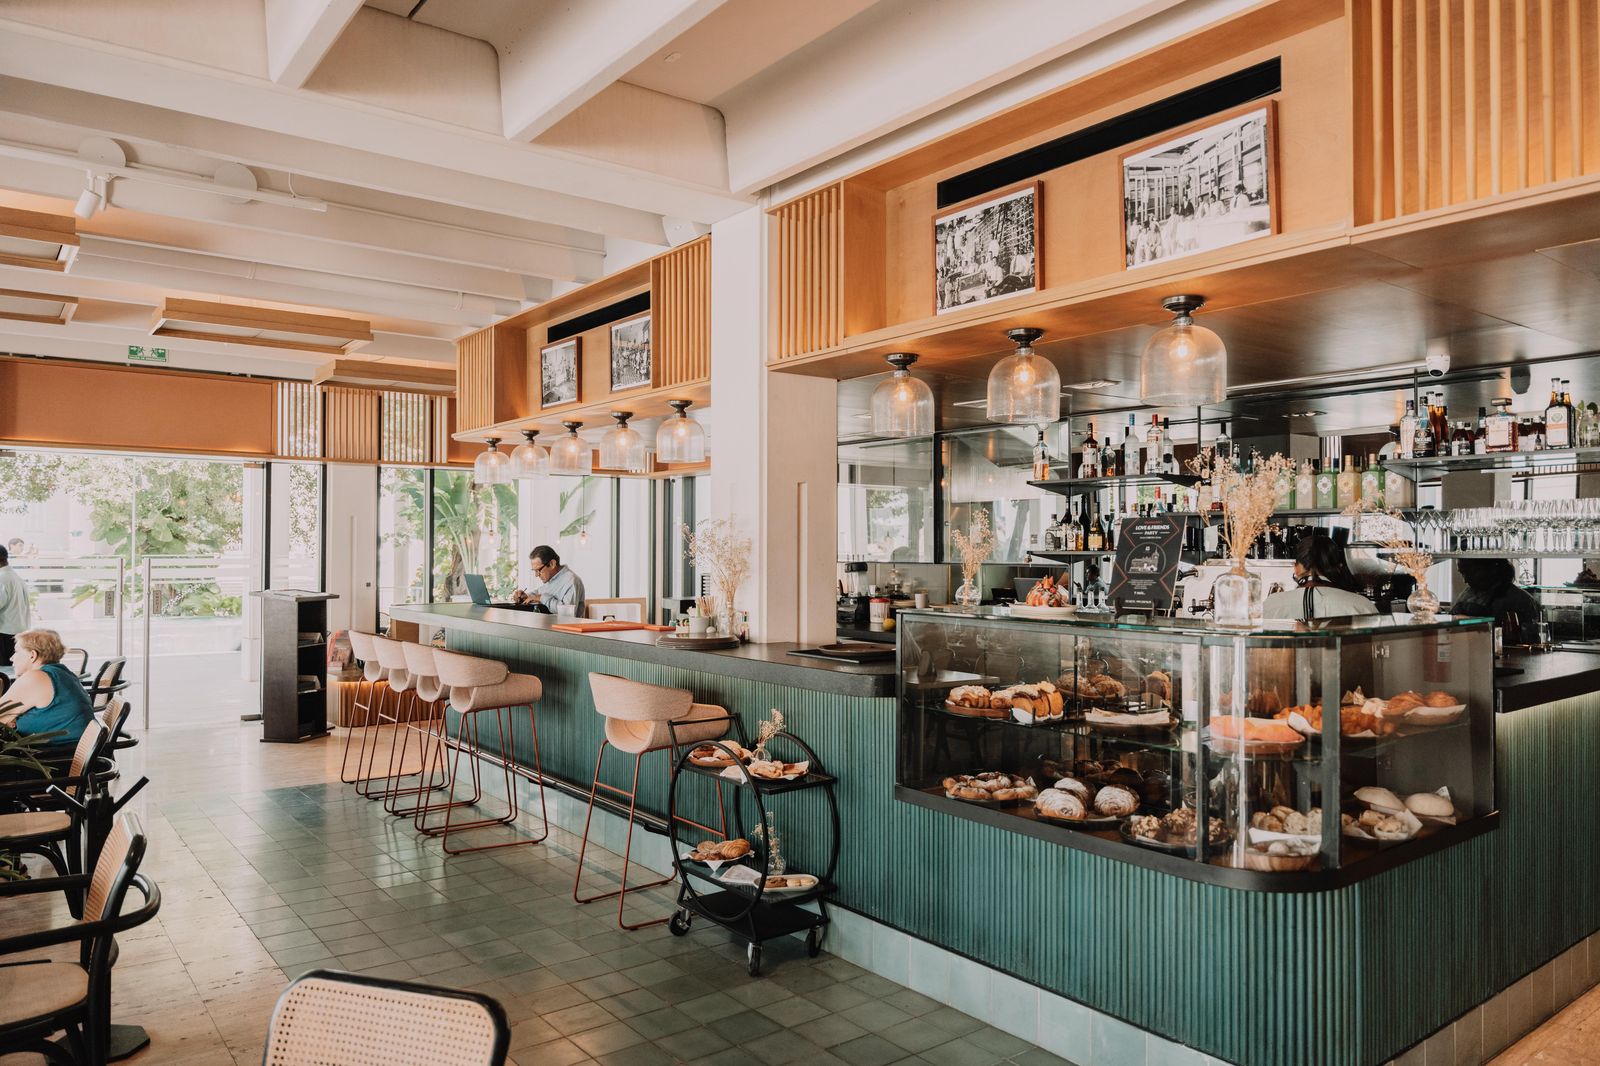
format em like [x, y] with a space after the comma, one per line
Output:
[1571, 1038]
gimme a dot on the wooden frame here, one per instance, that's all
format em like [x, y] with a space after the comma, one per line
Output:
[69, 304]
[386, 377]
[41, 227]
[978, 204]
[1200, 226]
[344, 334]
[649, 376]
[576, 344]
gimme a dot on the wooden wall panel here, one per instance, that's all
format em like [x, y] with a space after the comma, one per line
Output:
[1473, 99]
[492, 376]
[351, 424]
[808, 277]
[406, 427]
[94, 405]
[299, 432]
[475, 379]
[680, 300]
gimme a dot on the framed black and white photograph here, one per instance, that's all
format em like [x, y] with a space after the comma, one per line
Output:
[558, 374]
[1206, 187]
[987, 248]
[630, 354]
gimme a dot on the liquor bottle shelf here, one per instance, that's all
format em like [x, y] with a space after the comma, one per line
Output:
[1080, 486]
[1551, 461]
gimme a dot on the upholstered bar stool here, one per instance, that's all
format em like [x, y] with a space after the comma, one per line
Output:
[392, 657]
[636, 717]
[479, 686]
[362, 648]
[425, 722]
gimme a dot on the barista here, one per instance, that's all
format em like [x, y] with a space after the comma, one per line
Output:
[1327, 588]
[1492, 591]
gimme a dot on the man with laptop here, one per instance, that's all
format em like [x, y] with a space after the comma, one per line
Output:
[561, 586]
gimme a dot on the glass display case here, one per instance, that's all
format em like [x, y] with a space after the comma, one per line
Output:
[1204, 750]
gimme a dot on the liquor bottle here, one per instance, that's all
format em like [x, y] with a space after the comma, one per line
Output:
[1439, 425]
[1557, 419]
[1108, 460]
[1422, 436]
[1408, 431]
[1326, 497]
[1041, 459]
[1480, 435]
[1128, 458]
[1284, 488]
[1347, 486]
[1089, 466]
[1305, 487]
[1224, 446]
[1461, 439]
[1574, 416]
[1109, 537]
[1372, 481]
[1080, 533]
[1095, 536]
[1500, 431]
[1052, 534]
[1398, 490]
[1154, 446]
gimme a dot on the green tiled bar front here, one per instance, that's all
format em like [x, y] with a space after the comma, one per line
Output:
[1350, 977]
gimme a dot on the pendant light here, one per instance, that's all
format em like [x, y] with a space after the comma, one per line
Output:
[902, 406]
[528, 460]
[622, 448]
[492, 466]
[570, 454]
[1184, 365]
[681, 439]
[1024, 388]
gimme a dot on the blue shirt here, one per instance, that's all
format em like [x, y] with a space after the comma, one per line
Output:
[68, 711]
[563, 587]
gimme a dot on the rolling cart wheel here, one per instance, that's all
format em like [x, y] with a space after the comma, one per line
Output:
[814, 942]
[678, 924]
[754, 955]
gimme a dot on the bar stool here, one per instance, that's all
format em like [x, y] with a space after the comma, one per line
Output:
[636, 717]
[392, 658]
[427, 696]
[477, 686]
[362, 648]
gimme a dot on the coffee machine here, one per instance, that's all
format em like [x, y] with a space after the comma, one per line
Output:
[854, 604]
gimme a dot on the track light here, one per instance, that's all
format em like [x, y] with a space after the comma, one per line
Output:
[92, 198]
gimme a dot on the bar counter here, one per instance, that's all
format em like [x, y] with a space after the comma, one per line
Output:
[1444, 958]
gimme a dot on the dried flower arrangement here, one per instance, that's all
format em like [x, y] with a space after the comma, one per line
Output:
[718, 550]
[974, 545]
[1394, 535]
[769, 729]
[1248, 497]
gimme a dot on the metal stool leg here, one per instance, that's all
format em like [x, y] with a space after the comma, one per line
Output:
[449, 767]
[356, 704]
[434, 766]
[512, 810]
[621, 892]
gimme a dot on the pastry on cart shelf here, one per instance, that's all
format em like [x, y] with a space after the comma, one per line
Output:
[720, 850]
[714, 756]
[989, 786]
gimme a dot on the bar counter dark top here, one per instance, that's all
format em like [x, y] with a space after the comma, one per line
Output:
[1545, 677]
[767, 663]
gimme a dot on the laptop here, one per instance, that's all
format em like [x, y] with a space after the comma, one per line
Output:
[479, 591]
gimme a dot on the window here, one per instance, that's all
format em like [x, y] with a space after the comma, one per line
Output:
[634, 513]
[886, 501]
[573, 515]
[474, 532]
[684, 501]
[989, 471]
[295, 526]
[402, 538]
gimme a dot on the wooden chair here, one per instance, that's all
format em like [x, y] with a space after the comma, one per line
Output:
[107, 683]
[81, 655]
[326, 1016]
[39, 998]
[623, 610]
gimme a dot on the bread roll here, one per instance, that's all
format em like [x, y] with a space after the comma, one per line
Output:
[1430, 805]
[1380, 798]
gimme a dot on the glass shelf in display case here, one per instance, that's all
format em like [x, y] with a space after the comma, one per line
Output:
[1200, 750]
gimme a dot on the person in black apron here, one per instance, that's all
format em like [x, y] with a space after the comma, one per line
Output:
[1327, 588]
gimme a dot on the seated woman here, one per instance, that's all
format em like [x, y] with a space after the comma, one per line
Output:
[51, 697]
[1327, 588]
[1492, 590]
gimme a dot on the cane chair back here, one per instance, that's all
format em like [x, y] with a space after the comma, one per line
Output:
[84, 755]
[327, 1017]
[76, 660]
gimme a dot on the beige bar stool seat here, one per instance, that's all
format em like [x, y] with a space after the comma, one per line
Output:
[372, 672]
[637, 716]
[388, 705]
[478, 686]
[428, 695]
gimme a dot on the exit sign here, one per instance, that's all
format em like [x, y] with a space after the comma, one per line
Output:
[139, 354]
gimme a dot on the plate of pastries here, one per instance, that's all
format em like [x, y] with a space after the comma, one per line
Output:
[1176, 831]
[1381, 815]
[1038, 702]
[716, 852]
[789, 884]
[1045, 600]
[1073, 802]
[716, 756]
[1243, 734]
[777, 769]
[1417, 708]
[1284, 839]
[1093, 686]
[1151, 785]
[990, 787]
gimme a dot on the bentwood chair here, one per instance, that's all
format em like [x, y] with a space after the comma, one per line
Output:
[372, 672]
[39, 998]
[107, 683]
[478, 686]
[353, 1020]
[637, 717]
[48, 826]
[78, 656]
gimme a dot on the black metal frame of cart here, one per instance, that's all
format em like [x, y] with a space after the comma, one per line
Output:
[745, 910]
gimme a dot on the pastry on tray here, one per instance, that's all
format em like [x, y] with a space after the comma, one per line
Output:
[712, 755]
[1046, 593]
[777, 769]
[974, 696]
[720, 850]
[1180, 826]
[989, 786]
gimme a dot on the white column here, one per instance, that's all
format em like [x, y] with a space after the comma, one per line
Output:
[773, 452]
[352, 545]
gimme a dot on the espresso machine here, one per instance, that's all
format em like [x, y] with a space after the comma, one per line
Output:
[854, 603]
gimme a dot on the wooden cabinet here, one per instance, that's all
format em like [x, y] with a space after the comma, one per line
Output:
[294, 657]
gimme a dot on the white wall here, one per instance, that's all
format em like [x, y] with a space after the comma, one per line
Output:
[351, 521]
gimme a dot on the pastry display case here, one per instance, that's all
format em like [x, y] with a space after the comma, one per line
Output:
[1202, 750]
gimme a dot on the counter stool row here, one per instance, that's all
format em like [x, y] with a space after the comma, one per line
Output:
[412, 688]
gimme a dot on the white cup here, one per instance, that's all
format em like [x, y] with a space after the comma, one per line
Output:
[698, 624]
[566, 610]
[921, 599]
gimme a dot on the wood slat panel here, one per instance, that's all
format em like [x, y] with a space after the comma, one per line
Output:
[353, 420]
[475, 379]
[407, 427]
[1438, 73]
[680, 305]
[299, 423]
[808, 281]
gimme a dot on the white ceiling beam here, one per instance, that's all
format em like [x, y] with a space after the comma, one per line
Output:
[300, 33]
[567, 53]
[109, 346]
[35, 54]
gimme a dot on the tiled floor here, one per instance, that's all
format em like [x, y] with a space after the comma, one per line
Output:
[1571, 1038]
[269, 867]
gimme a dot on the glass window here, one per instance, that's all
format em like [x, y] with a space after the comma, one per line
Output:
[990, 470]
[295, 527]
[886, 501]
[402, 538]
[574, 516]
[684, 501]
[474, 532]
[633, 537]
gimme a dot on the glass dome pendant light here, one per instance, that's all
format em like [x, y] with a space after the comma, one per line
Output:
[1024, 388]
[492, 466]
[622, 448]
[681, 439]
[902, 406]
[1184, 365]
[528, 460]
[570, 454]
